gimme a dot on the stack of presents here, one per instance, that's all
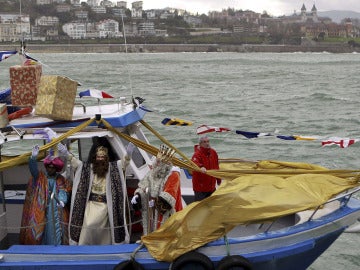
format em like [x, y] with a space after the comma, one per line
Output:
[52, 96]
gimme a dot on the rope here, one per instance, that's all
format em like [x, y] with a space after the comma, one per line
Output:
[226, 240]
[67, 224]
[161, 138]
[149, 148]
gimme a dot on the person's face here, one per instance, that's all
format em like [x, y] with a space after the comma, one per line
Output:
[50, 169]
[205, 143]
[100, 157]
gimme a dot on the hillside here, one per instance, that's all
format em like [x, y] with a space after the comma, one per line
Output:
[338, 15]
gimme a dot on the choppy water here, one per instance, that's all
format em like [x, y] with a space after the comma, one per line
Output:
[306, 94]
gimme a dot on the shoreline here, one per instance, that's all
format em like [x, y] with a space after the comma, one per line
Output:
[163, 48]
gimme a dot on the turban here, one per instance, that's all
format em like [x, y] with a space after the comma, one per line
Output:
[55, 161]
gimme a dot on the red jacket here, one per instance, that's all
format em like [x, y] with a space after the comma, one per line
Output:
[208, 158]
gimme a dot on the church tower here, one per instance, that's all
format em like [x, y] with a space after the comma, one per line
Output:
[314, 14]
[303, 13]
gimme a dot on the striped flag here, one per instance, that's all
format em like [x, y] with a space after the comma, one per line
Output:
[251, 135]
[342, 143]
[175, 122]
[94, 93]
[206, 129]
[6, 54]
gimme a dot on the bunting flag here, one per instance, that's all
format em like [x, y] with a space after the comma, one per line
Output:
[206, 129]
[175, 122]
[303, 138]
[251, 135]
[287, 138]
[142, 107]
[30, 60]
[6, 54]
[342, 143]
[95, 93]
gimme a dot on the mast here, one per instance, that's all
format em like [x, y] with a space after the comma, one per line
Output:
[22, 42]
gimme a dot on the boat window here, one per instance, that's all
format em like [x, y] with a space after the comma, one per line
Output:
[137, 157]
[19, 147]
[85, 147]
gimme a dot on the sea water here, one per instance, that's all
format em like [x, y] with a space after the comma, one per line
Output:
[307, 94]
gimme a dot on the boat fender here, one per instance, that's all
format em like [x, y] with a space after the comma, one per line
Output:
[230, 262]
[19, 113]
[192, 260]
[129, 265]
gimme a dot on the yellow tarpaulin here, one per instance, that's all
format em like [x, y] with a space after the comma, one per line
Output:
[243, 200]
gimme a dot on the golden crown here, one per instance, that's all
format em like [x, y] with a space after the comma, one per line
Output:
[165, 153]
[101, 151]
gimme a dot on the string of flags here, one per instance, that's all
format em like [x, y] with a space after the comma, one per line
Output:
[203, 129]
[28, 59]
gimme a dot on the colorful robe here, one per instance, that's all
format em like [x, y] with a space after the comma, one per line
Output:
[168, 188]
[37, 218]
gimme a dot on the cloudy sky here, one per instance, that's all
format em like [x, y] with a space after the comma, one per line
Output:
[273, 7]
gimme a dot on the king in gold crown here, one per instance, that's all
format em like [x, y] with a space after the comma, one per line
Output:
[165, 154]
[101, 151]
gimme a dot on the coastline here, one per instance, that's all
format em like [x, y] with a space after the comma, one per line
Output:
[163, 48]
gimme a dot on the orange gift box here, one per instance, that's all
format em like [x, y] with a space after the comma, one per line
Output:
[24, 82]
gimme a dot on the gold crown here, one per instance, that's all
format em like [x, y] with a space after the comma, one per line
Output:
[165, 154]
[101, 151]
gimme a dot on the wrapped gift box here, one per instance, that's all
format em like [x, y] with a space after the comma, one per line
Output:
[24, 82]
[4, 120]
[56, 97]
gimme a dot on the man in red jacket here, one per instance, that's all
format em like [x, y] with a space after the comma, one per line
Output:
[207, 159]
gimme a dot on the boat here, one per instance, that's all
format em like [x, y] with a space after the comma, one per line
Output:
[287, 234]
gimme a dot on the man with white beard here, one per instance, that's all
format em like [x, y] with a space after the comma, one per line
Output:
[158, 194]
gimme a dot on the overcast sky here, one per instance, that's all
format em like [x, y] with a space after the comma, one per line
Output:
[273, 7]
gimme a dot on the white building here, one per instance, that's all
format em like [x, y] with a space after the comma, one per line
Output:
[93, 3]
[146, 29]
[121, 4]
[81, 14]
[137, 9]
[108, 29]
[75, 30]
[47, 21]
[99, 9]
[14, 27]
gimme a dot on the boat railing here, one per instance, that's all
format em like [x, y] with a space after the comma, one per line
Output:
[343, 198]
[82, 105]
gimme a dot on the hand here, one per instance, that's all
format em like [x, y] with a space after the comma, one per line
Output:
[130, 149]
[203, 169]
[60, 204]
[151, 203]
[35, 151]
[63, 150]
[51, 134]
[134, 199]
[162, 205]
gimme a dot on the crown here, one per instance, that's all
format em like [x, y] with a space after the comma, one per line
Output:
[101, 151]
[165, 154]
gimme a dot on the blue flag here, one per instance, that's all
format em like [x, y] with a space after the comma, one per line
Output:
[6, 54]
